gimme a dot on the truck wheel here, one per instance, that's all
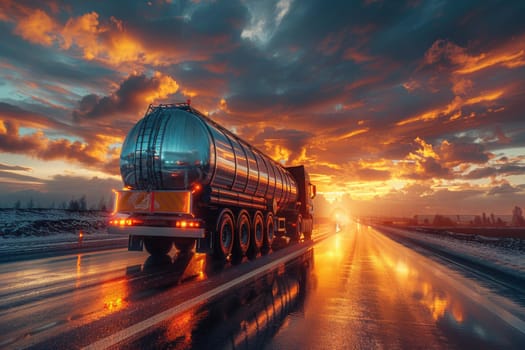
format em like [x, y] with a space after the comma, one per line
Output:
[268, 233]
[224, 236]
[184, 245]
[242, 241]
[295, 230]
[308, 227]
[158, 246]
[308, 235]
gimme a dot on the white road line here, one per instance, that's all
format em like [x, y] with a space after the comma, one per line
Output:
[126, 333]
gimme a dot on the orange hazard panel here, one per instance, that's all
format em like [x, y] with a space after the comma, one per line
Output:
[172, 202]
[153, 202]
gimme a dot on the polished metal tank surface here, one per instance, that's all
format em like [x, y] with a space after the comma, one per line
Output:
[175, 147]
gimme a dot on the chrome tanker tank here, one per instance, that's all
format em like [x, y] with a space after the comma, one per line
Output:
[175, 147]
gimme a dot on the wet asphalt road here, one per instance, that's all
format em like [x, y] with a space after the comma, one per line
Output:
[373, 293]
[354, 289]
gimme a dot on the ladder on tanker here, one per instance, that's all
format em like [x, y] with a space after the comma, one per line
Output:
[148, 149]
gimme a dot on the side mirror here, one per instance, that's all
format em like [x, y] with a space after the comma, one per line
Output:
[313, 191]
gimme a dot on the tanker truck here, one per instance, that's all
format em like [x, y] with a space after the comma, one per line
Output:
[190, 182]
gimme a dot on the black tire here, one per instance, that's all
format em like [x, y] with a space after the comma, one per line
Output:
[308, 227]
[242, 237]
[184, 245]
[294, 231]
[308, 235]
[257, 231]
[158, 246]
[224, 235]
[269, 232]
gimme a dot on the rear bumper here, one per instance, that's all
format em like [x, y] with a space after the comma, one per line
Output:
[154, 231]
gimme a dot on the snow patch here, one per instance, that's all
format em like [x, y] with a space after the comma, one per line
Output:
[506, 253]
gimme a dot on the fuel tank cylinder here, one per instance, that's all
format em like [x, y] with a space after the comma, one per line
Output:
[175, 147]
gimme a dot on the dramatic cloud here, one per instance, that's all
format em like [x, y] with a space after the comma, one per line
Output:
[404, 104]
[37, 28]
[136, 92]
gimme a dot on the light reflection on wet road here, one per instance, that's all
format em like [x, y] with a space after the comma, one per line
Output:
[37, 296]
[356, 289]
[370, 292]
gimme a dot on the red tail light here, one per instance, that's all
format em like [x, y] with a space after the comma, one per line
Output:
[196, 188]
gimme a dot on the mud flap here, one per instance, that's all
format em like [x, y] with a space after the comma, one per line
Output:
[205, 245]
[135, 243]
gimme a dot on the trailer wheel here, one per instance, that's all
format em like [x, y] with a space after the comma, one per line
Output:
[268, 232]
[242, 237]
[258, 230]
[158, 246]
[224, 237]
[257, 238]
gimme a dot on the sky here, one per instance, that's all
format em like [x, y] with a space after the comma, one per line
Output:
[395, 107]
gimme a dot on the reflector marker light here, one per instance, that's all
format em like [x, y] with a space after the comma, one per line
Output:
[124, 222]
[132, 222]
[187, 223]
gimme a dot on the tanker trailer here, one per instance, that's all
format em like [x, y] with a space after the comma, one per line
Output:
[190, 182]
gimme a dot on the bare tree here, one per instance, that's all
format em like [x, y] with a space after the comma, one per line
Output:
[517, 217]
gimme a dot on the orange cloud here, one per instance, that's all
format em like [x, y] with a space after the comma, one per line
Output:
[11, 141]
[83, 31]
[97, 154]
[166, 86]
[352, 134]
[506, 59]
[486, 97]
[426, 150]
[453, 109]
[3, 127]
[461, 86]
[37, 27]
[276, 151]
[379, 164]
[124, 48]
[427, 116]
[135, 92]
[443, 49]
[509, 55]
[107, 42]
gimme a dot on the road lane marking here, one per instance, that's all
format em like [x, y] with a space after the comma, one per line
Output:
[144, 325]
